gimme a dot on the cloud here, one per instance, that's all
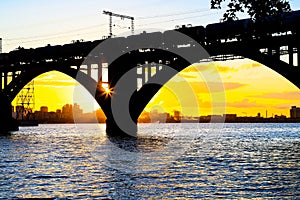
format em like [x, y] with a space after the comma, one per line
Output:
[233, 85]
[226, 69]
[205, 87]
[186, 75]
[223, 66]
[281, 95]
[283, 106]
[215, 86]
[236, 65]
[245, 103]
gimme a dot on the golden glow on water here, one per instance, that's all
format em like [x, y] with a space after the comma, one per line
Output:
[59, 161]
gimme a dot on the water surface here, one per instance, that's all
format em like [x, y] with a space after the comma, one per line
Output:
[237, 161]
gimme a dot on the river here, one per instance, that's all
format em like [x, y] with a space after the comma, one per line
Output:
[206, 161]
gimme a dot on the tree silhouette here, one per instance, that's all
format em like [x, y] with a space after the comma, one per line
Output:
[257, 9]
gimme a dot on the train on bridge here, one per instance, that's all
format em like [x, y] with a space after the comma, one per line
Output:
[239, 30]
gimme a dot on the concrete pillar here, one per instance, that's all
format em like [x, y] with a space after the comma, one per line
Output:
[122, 76]
[5, 79]
[7, 122]
[156, 68]
[298, 56]
[149, 71]
[2, 84]
[142, 75]
[277, 53]
[113, 130]
[89, 70]
[13, 76]
[270, 51]
[291, 56]
[145, 73]
[99, 71]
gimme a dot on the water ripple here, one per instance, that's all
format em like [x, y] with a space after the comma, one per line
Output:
[243, 161]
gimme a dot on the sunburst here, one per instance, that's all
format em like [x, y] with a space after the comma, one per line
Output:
[108, 91]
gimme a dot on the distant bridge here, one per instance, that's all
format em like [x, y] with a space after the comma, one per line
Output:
[263, 41]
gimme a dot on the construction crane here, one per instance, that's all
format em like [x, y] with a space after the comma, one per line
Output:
[111, 14]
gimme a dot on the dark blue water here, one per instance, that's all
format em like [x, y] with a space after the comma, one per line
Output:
[234, 161]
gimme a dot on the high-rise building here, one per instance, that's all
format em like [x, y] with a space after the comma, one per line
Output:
[177, 116]
[295, 112]
[77, 111]
[44, 109]
[67, 111]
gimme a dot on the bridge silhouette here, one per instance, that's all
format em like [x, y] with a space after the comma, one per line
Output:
[136, 56]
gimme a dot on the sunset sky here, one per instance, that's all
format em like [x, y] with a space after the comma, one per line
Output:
[249, 86]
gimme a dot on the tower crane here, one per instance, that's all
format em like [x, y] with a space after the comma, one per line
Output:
[111, 14]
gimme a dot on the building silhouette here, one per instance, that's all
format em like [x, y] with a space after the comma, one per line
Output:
[294, 112]
[74, 114]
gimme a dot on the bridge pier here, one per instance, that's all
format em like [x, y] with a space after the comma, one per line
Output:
[298, 56]
[113, 129]
[291, 55]
[7, 123]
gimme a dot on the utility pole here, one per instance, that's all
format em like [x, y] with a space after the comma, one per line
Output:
[122, 17]
[0, 45]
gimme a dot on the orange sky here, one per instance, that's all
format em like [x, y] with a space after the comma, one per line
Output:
[249, 88]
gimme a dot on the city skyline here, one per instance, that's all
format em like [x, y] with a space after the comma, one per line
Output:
[75, 110]
[249, 87]
[224, 127]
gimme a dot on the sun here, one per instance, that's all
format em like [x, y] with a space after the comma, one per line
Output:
[107, 90]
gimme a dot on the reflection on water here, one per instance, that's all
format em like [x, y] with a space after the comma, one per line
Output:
[242, 161]
[143, 143]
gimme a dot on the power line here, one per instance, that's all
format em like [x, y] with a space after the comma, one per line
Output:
[104, 24]
[59, 33]
[49, 38]
[37, 38]
[177, 19]
[173, 14]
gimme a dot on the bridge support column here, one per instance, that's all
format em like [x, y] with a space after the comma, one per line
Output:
[89, 69]
[5, 79]
[291, 55]
[149, 71]
[99, 71]
[113, 129]
[270, 53]
[277, 53]
[298, 56]
[7, 123]
[2, 84]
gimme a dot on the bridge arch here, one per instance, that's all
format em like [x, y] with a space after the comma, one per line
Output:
[16, 85]
[286, 70]
[289, 72]
[140, 98]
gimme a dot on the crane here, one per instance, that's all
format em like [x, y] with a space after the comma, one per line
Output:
[111, 14]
